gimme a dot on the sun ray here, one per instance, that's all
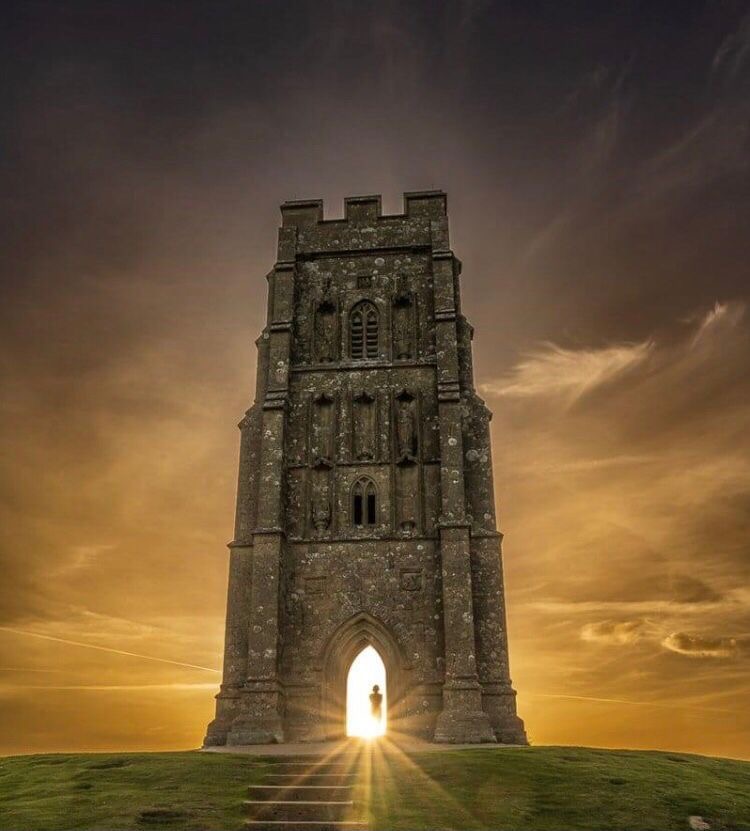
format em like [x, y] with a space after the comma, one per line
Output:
[384, 762]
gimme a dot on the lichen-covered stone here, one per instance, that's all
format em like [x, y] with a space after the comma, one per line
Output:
[365, 509]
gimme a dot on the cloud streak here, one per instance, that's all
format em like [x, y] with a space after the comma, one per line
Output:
[666, 705]
[568, 374]
[182, 687]
[615, 632]
[699, 646]
[720, 316]
[99, 648]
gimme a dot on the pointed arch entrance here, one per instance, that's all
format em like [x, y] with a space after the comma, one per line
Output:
[343, 647]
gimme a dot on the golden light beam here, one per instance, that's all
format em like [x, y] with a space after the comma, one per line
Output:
[385, 756]
[341, 753]
[105, 649]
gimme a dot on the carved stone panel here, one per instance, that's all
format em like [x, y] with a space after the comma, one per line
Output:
[407, 490]
[320, 507]
[431, 474]
[406, 427]
[295, 492]
[411, 579]
[325, 332]
[364, 428]
[315, 585]
[322, 429]
[403, 328]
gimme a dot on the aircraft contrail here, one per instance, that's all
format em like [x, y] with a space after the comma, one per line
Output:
[670, 706]
[105, 649]
[110, 687]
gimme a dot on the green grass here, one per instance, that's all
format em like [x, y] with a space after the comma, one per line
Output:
[555, 788]
[110, 791]
[523, 789]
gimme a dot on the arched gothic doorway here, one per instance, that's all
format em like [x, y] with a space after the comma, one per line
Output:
[343, 648]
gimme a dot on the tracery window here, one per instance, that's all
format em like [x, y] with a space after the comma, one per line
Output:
[363, 331]
[364, 503]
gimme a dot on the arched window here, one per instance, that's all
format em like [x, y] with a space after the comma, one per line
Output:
[364, 503]
[363, 331]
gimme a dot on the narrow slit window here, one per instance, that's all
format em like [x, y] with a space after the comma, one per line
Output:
[363, 334]
[371, 333]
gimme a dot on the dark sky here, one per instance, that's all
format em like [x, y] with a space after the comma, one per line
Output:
[596, 158]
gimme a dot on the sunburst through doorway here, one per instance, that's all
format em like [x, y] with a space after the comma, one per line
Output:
[367, 671]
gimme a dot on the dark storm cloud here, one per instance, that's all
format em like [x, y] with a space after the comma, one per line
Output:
[596, 161]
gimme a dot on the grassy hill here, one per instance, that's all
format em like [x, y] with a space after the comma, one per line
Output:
[514, 788]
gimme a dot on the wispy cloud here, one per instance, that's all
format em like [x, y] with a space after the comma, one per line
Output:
[598, 104]
[615, 632]
[726, 314]
[700, 646]
[590, 465]
[568, 374]
[637, 607]
[553, 371]
[733, 51]
[84, 556]
[709, 149]
[626, 632]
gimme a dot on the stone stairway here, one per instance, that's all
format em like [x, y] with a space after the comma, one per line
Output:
[305, 793]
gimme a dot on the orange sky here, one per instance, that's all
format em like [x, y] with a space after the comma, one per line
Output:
[596, 168]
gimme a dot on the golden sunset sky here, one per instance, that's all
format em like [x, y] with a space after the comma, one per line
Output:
[596, 158]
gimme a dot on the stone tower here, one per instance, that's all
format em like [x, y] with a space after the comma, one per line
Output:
[365, 507]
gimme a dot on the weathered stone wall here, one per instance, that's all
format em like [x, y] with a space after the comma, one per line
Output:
[365, 504]
[398, 583]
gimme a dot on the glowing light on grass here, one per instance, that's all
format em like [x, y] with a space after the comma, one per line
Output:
[366, 670]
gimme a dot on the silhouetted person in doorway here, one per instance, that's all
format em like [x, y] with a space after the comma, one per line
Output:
[376, 703]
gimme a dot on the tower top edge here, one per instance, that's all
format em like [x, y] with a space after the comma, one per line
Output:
[419, 204]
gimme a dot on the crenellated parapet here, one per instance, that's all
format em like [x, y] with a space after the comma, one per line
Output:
[418, 205]
[423, 224]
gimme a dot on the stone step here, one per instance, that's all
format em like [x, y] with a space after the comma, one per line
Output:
[300, 759]
[302, 778]
[298, 811]
[312, 767]
[313, 825]
[306, 793]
